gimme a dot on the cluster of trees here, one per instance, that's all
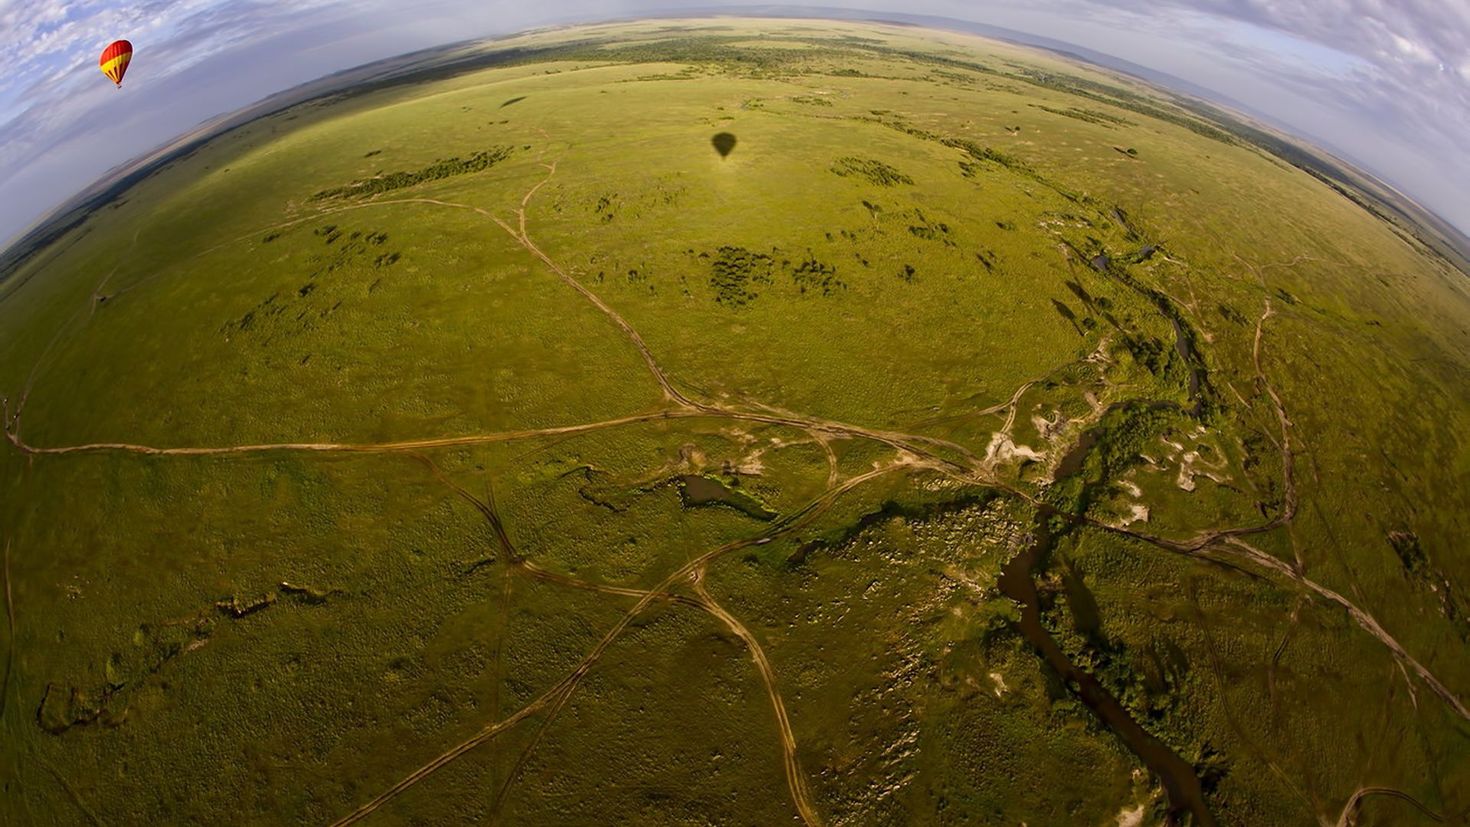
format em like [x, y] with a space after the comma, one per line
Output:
[930, 230]
[1112, 447]
[985, 153]
[734, 271]
[811, 274]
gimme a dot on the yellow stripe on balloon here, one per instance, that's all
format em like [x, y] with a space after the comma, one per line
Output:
[113, 68]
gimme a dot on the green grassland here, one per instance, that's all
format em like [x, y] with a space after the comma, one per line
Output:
[984, 439]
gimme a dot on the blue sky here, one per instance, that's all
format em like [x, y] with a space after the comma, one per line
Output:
[1384, 83]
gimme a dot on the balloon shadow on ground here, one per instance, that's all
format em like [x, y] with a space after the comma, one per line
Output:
[724, 144]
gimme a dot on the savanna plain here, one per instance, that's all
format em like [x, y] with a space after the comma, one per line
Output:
[737, 421]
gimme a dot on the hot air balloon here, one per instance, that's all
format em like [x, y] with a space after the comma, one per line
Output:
[115, 59]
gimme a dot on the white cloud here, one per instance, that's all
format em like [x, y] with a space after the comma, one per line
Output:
[1413, 51]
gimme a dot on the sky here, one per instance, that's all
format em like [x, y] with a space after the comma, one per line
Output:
[1384, 84]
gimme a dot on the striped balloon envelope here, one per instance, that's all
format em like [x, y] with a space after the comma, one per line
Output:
[115, 59]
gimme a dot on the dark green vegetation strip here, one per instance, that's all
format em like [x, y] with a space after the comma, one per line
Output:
[447, 168]
[870, 170]
[1086, 115]
[1125, 99]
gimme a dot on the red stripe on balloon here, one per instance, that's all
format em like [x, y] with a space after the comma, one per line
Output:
[114, 50]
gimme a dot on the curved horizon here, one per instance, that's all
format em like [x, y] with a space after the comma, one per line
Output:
[1388, 97]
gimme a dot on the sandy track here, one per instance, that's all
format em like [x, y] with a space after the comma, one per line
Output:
[556, 695]
[9, 635]
[400, 446]
[1349, 815]
[795, 780]
[1237, 547]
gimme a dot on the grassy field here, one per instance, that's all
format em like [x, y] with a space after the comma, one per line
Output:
[971, 437]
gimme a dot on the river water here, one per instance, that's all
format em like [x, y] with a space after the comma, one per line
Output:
[1180, 781]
